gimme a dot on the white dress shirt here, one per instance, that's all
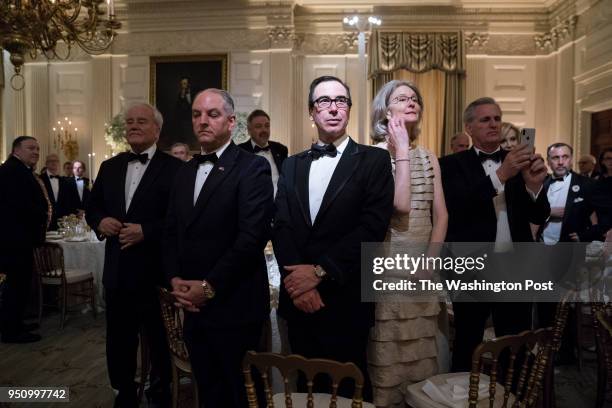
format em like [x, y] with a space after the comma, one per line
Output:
[54, 185]
[135, 171]
[204, 170]
[321, 172]
[267, 154]
[80, 183]
[557, 197]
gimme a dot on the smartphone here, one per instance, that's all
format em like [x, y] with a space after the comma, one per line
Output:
[528, 137]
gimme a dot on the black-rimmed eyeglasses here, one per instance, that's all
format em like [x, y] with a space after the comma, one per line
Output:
[325, 102]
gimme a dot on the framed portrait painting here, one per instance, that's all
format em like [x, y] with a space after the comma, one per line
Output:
[175, 81]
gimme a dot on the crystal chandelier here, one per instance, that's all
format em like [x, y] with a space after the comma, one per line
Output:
[37, 26]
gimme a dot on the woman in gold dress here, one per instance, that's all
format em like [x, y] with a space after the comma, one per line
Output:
[402, 346]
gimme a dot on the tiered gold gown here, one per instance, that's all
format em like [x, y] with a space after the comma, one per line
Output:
[402, 348]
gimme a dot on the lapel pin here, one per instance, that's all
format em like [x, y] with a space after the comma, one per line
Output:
[576, 188]
[221, 168]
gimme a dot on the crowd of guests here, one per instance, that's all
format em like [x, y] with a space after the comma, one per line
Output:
[199, 224]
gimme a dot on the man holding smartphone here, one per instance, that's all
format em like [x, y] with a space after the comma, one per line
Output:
[492, 195]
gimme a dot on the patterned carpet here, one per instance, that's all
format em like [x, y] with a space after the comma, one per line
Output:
[75, 357]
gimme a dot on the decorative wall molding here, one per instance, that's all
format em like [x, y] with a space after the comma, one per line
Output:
[476, 40]
[551, 40]
[326, 44]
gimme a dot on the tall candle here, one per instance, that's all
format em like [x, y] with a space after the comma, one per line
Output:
[89, 163]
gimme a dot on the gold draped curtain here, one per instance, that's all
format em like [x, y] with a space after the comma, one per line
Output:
[435, 63]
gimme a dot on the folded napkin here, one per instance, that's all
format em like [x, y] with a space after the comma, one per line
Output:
[454, 392]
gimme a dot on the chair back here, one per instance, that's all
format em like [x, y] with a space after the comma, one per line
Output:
[602, 315]
[49, 261]
[521, 363]
[173, 323]
[310, 367]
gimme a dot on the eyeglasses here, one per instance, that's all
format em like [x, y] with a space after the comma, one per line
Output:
[324, 102]
[404, 99]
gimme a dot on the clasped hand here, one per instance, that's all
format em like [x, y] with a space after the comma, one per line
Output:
[189, 294]
[129, 233]
[300, 284]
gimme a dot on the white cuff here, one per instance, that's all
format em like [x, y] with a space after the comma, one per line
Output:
[497, 184]
[534, 196]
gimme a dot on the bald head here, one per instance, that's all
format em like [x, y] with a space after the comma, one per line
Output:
[586, 164]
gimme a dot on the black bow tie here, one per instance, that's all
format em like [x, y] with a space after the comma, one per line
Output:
[555, 179]
[52, 177]
[143, 157]
[495, 156]
[317, 151]
[258, 149]
[79, 178]
[202, 158]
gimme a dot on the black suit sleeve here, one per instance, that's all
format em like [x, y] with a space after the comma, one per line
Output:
[285, 248]
[376, 210]
[169, 238]
[538, 211]
[254, 196]
[154, 228]
[95, 209]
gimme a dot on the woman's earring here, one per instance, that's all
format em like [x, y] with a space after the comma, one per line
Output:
[311, 118]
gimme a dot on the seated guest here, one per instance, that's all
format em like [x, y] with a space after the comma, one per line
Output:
[258, 126]
[67, 169]
[586, 166]
[482, 186]
[180, 151]
[460, 142]
[23, 214]
[510, 135]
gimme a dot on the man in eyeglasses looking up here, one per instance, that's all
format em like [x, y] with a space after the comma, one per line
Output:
[330, 199]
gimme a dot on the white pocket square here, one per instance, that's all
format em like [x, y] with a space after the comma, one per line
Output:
[578, 199]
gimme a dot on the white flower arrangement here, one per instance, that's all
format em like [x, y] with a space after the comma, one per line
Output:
[240, 133]
[115, 135]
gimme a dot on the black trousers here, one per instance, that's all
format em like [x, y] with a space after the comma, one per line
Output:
[216, 356]
[126, 312]
[334, 343]
[18, 269]
[470, 320]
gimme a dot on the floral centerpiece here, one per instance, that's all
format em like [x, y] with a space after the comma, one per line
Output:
[240, 133]
[115, 135]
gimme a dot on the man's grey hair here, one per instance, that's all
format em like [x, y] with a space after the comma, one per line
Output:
[380, 107]
[456, 135]
[157, 116]
[468, 114]
[228, 101]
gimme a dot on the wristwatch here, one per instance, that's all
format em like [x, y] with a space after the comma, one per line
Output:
[209, 292]
[319, 271]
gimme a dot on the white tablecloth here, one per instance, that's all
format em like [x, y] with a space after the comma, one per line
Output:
[87, 255]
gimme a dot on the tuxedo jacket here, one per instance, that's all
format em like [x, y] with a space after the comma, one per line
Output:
[578, 208]
[356, 208]
[279, 151]
[137, 266]
[75, 202]
[63, 205]
[222, 237]
[469, 196]
[23, 209]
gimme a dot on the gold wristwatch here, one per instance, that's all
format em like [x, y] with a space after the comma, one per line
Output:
[209, 292]
[319, 271]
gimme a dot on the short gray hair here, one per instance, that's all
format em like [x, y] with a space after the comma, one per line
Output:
[179, 144]
[468, 114]
[380, 106]
[157, 116]
[228, 101]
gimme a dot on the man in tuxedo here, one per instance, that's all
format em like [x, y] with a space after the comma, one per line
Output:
[217, 227]
[79, 187]
[330, 199]
[569, 196]
[258, 125]
[491, 195]
[67, 169]
[58, 189]
[586, 165]
[127, 207]
[24, 214]
[180, 151]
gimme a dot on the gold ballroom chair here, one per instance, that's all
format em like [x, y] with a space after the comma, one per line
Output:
[602, 313]
[181, 367]
[526, 380]
[310, 367]
[50, 271]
